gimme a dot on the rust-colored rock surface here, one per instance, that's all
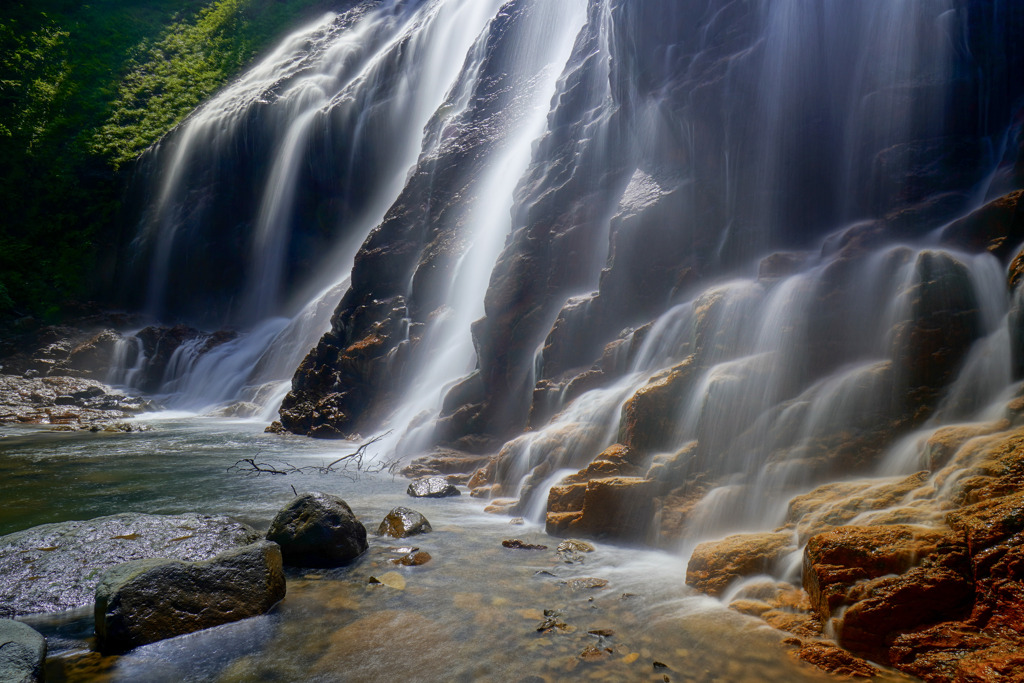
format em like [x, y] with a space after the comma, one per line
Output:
[836, 560]
[717, 564]
[612, 507]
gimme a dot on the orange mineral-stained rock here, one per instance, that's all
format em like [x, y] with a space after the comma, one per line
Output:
[716, 564]
[834, 561]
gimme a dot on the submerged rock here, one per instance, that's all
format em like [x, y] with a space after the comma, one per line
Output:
[149, 600]
[432, 487]
[56, 567]
[517, 544]
[402, 522]
[318, 530]
[22, 652]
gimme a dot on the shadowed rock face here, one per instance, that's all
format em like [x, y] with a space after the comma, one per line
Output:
[649, 180]
[22, 652]
[149, 600]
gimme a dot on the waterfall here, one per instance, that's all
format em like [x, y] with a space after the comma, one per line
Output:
[722, 248]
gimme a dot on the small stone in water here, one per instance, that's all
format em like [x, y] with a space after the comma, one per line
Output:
[390, 579]
[574, 546]
[517, 521]
[520, 545]
[412, 559]
[586, 584]
[660, 665]
[601, 632]
[592, 654]
[631, 657]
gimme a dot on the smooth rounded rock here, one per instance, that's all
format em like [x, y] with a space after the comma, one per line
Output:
[432, 487]
[402, 522]
[318, 530]
[22, 652]
[149, 600]
[56, 567]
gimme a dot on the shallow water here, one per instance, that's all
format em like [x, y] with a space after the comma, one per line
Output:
[470, 614]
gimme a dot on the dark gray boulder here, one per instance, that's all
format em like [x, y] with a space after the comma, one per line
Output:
[56, 567]
[149, 600]
[22, 653]
[402, 522]
[432, 487]
[318, 530]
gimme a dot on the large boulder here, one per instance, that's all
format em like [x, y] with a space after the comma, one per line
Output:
[149, 600]
[318, 530]
[56, 567]
[22, 653]
[402, 522]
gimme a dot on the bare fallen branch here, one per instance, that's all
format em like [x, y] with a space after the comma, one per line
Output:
[348, 465]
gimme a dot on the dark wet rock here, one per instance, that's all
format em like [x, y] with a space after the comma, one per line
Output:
[149, 600]
[318, 530]
[997, 227]
[402, 522]
[517, 544]
[22, 653]
[552, 623]
[715, 565]
[432, 487]
[56, 567]
[959, 652]
[276, 427]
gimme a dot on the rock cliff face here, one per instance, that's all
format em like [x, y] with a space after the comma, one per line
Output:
[680, 145]
[733, 272]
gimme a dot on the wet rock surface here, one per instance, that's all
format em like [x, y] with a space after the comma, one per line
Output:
[432, 487]
[318, 530]
[56, 567]
[715, 565]
[145, 601]
[74, 402]
[402, 522]
[22, 653]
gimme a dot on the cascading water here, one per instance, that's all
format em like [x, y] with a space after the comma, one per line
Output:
[647, 271]
[764, 195]
[365, 83]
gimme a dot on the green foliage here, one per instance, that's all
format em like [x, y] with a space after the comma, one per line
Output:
[84, 89]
